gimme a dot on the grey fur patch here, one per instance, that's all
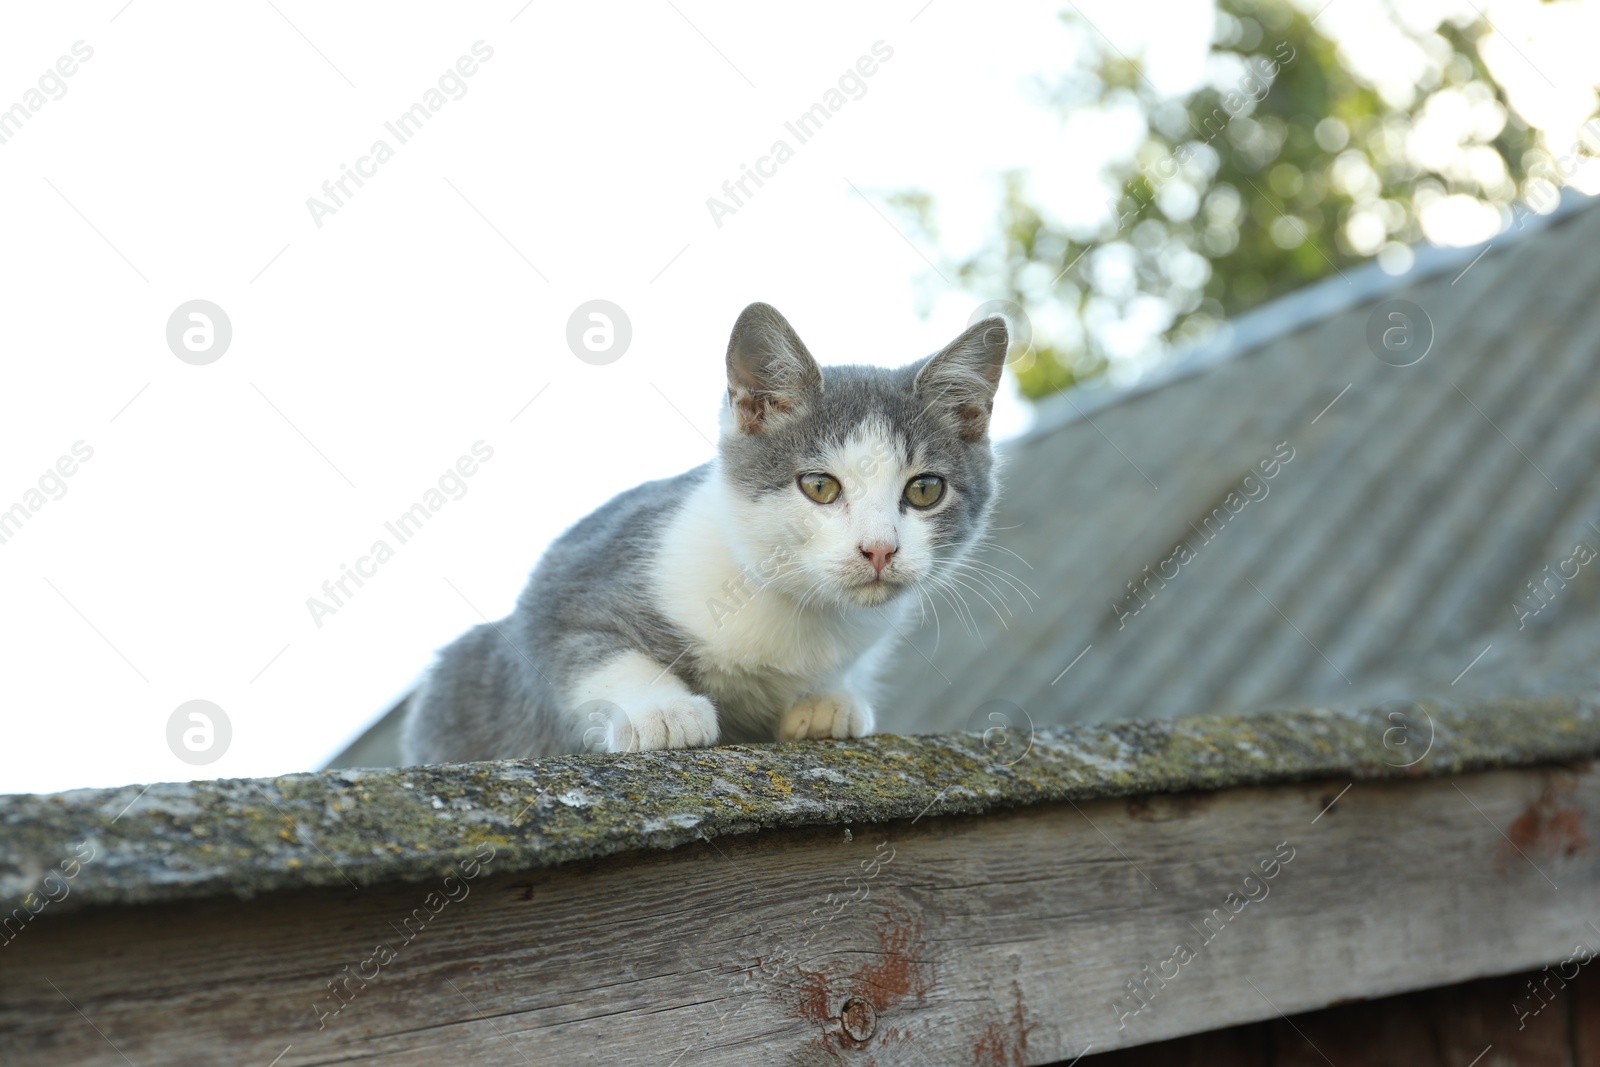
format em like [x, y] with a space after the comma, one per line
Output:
[496, 691]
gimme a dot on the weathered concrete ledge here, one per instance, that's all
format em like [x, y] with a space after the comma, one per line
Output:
[346, 827]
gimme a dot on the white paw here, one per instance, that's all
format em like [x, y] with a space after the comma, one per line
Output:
[836, 715]
[671, 721]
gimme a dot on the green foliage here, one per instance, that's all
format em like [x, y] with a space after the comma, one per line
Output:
[1282, 169]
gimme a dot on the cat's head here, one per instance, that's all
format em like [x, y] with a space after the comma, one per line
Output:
[852, 484]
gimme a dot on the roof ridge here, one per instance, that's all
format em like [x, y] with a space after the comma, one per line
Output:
[1288, 314]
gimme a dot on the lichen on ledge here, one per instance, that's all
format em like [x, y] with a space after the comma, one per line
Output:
[337, 828]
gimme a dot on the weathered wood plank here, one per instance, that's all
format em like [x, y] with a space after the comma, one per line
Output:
[997, 939]
[194, 840]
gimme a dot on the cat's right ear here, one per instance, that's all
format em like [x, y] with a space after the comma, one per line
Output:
[770, 373]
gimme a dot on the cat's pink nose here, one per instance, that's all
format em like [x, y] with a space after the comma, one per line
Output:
[880, 553]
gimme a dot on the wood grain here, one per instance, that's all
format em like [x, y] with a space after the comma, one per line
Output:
[1002, 939]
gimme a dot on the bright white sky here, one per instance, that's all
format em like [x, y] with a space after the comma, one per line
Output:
[421, 317]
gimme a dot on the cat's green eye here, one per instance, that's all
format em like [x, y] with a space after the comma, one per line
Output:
[924, 491]
[823, 488]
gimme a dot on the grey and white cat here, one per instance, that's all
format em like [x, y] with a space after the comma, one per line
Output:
[753, 597]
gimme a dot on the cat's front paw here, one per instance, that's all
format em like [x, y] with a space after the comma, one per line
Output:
[836, 715]
[672, 721]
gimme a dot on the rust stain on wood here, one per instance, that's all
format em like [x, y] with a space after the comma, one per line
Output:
[1004, 1042]
[811, 1002]
[898, 971]
[1548, 826]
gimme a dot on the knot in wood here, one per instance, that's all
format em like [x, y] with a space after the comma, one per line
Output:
[858, 1019]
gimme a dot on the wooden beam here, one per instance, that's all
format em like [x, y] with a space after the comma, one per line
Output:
[1006, 938]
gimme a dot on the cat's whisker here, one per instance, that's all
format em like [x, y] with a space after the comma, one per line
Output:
[979, 593]
[978, 576]
[925, 605]
[959, 605]
[960, 589]
[987, 574]
[936, 584]
[1005, 600]
[1012, 582]
[983, 543]
[782, 572]
[987, 543]
[1022, 588]
[812, 589]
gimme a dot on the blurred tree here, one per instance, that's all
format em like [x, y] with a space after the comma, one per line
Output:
[1281, 168]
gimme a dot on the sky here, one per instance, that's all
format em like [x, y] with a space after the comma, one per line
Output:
[405, 340]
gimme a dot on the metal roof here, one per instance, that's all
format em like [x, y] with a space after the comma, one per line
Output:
[1391, 554]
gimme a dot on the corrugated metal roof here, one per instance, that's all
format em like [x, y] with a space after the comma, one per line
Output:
[1385, 556]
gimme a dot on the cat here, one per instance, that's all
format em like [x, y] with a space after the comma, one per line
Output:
[751, 598]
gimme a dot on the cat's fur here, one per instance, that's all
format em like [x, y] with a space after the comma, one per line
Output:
[724, 603]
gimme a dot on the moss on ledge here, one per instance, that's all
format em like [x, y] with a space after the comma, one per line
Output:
[246, 836]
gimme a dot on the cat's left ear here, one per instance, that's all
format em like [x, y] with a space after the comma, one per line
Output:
[770, 373]
[962, 377]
